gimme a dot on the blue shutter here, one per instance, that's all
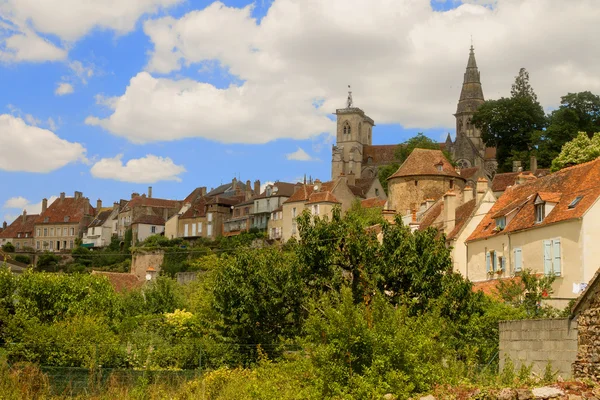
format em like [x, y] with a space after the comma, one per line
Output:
[494, 261]
[487, 262]
[503, 263]
[518, 260]
[556, 256]
[547, 257]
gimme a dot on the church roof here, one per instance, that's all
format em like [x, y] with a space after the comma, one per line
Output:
[471, 95]
[426, 162]
[379, 154]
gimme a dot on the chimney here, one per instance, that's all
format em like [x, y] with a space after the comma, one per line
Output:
[62, 196]
[449, 211]
[413, 224]
[115, 206]
[4, 225]
[429, 203]
[317, 185]
[516, 166]
[297, 186]
[482, 187]
[44, 205]
[24, 216]
[78, 195]
[134, 195]
[98, 205]
[524, 178]
[249, 185]
[467, 194]
[533, 164]
[234, 184]
[149, 192]
[257, 187]
[86, 207]
[351, 179]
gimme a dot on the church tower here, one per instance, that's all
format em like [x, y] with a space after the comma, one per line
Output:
[354, 131]
[471, 97]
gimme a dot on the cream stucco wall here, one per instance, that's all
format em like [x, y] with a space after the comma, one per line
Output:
[288, 219]
[590, 246]
[145, 230]
[459, 251]
[171, 227]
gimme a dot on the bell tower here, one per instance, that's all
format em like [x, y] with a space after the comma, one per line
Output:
[471, 97]
[354, 131]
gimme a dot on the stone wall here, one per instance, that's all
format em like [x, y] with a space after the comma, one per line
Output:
[405, 194]
[537, 342]
[588, 355]
[141, 261]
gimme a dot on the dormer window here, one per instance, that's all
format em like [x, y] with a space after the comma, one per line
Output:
[574, 203]
[46, 219]
[540, 212]
[440, 166]
[66, 218]
[501, 223]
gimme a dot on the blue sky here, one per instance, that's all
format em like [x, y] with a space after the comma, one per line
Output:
[264, 68]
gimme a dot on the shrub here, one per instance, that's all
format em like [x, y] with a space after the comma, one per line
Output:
[8, 248]
[23, 259]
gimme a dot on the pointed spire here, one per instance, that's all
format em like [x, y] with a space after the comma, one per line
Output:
[471, 95]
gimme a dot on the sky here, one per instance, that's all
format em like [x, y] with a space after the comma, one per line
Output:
[108, 97]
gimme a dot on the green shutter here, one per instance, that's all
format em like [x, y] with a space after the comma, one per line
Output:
[518, 260]
[547, 257]
[487, 262]
[556, 255]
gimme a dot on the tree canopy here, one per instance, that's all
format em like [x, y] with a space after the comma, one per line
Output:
[579, 150]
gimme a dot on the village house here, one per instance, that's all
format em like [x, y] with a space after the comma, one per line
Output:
[275, 226]
[548, 225]
[102, 228]
[20, 233]
[320, 199]
[271, 198]
[144, 226]
[191, 218]
[241, 219]
[59, 225]
[143, 205]
[504, 180]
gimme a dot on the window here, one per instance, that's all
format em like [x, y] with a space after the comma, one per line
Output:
[539, 212]
[193, 229]
[71, 244]
[347, 129]
[416, 183]
[185, 230]
[45, 231]
[39, 232]
[552, 257]
[27, 235]
[210, 217]
[65, 230]
[451, 183]
[574, 203]
[315, 209]
[490, 262]
[268, 204]
[199, 227]
[18, 245]
[93, 231]
[153, 229]
[66, 219]
[18, 235]
[37, 245]
[51, 231]
[72, 231]
[64, 244]
[294, 212]
[501, 223]
[518, 260]
[376, 192]
[51, 245]
[502, 263]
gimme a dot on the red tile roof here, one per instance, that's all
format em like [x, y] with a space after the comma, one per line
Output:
[143, 201]
[490, 287]
[425, 162]
[550, 197]
[468, 173]
[580, 180]
[379, 154]
[101, 218]
[20, 226]
[373, 202]
[322, 197]
[431, 215]
[303, 193]
[284, 189]
[462, 215]
[196, 210]
[120, 281]
[149, 220]
[506, 179]
[68, 209]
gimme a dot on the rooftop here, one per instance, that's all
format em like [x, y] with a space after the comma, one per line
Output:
[426, 162]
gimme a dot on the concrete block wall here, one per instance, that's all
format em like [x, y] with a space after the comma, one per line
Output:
[535, 342]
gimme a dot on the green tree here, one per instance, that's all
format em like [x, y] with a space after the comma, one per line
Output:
[527, 293]
[578, 112]
[48, 261]
[8, 248]
[522, 87]
[579, 150]
[385, 172]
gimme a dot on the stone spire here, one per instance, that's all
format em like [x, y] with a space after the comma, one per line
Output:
[471, 95]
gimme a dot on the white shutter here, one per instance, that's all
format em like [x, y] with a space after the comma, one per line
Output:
[556, 256]
[193, 229]
[487, 262]
[185, 230]
[518, 260]
[547, 257]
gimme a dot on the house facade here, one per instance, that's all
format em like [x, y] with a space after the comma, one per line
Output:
[102, 228]
[548, 225]
[58, 226]
[20, 233]
[147, 225]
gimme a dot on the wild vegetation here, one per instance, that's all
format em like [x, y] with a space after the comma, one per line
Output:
[338, 314]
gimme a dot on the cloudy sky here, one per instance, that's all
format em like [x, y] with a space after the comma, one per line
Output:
[109, 96]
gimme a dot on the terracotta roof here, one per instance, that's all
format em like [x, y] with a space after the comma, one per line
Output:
[149, 220]
[468, 173]
[101, 218]
[69, 207]
[284, 189]
[373, 202]
[461, 216]
[506, 179]
[550, 197]
[226, 189]
[577, 181]
[196, 193]
[431, 215]
[322, 197]
[20, 226]
[143, 201]
[228, 201]
[379, 154]
[490, 287]
[197, 209]
[121, 281]
[304, 192]
[425, 162]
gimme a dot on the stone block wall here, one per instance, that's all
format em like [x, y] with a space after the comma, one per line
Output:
[587, 364]
[141, 261]
[537, 342]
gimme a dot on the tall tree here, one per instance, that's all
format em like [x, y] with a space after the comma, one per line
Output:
[512, 125]
[578, 112]
[579, 150]
[522, 87]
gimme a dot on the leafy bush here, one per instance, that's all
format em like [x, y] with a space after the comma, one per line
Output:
[23, 259]
[8, 248]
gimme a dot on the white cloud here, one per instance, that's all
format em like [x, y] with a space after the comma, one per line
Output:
[149, 169]
[51, 124]
[21, 204]
[404, 61]
[29, 148]
[69, 20]
[299, 155]
[63, 89]
[16, 202]
[82, 72]
[109, 102]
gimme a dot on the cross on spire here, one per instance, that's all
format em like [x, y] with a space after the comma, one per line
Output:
[349, 100]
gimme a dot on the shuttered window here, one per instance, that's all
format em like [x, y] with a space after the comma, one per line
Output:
[518, 260]
[552, 257]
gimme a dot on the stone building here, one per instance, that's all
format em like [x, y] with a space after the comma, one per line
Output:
[586, 311]
[20, 233]
[426, 174]
[65, 220]
[354, 152]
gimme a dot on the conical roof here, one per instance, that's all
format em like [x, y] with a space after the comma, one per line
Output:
[471, 95]
[425, 162]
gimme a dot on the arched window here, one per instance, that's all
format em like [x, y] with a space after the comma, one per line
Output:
[360, 131]
[347, 129]
[462, 164]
